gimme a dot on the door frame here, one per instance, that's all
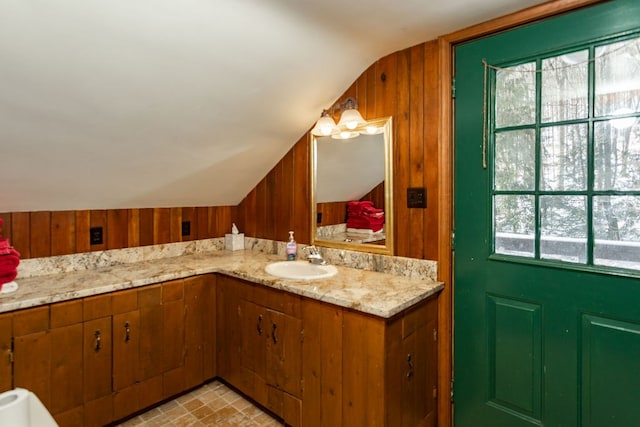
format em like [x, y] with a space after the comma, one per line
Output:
[446, 44]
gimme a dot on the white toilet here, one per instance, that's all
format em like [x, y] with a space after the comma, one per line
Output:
[22, 408]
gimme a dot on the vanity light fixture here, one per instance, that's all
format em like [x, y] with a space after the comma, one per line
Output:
[325, 125]
[350, 120]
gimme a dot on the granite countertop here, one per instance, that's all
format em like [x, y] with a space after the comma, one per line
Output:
[380, 294]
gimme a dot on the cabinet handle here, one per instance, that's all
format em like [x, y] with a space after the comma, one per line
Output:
[259, 325]
[127, 331]
[273, 333]
[97, 345]
[410, 365]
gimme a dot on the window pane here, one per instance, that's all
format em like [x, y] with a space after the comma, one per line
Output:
[618, 77]
[516, 95]
[563, 228]
[564, 157]
[565, 87]
[514, 224]
[616, 156]
[515, 160]
[616, 225]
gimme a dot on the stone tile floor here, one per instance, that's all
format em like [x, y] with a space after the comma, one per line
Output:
[213, 404]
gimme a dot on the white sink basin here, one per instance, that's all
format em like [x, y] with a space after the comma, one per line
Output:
[300, 270]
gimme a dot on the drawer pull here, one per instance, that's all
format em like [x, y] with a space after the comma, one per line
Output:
[410, 365]
[273, 333]
[259, 325]
[127, 331]
[97, 345]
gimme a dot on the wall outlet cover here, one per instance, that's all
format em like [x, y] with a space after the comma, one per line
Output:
[186, 228]
[417, 197]
[96, 236]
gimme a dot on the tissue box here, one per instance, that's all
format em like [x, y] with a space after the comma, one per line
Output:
[234, 242]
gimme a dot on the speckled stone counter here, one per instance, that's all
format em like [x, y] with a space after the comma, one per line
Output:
[382, 294]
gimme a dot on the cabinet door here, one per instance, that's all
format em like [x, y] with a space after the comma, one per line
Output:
[32, 351]
[5, 352]
[194, 312]
[229, 342]
[209, 336]
[151, 339]
[363, 361]
[173, 319]
[322, 364]
[284, 353]
[126, 338]
[98, 406]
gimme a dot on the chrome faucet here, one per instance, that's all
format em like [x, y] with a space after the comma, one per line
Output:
[312, 254]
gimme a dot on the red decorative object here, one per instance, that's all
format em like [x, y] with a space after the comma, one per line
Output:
[9, 260]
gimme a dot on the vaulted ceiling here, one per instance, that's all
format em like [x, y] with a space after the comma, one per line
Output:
[141, 103]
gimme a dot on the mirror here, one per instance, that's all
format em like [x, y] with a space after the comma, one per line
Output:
[352, 189]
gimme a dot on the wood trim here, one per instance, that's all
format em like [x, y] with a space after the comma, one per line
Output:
[445, 229]
[522, 17]
[446, 183]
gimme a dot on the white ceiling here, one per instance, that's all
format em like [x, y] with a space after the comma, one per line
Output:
[150, 103]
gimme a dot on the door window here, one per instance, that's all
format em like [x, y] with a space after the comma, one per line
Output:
[565, 143]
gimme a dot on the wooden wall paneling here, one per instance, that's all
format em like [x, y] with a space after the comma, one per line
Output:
[286, 212]
[249, 214]
[117, 228]
[83, 224]
[98, 218]
[161, 225]
[147, 227]
[401, 161]
[202, 223]
[416, 147]
[175, 225]
[363, 95]
[431, 149]
[273, 199]
[189, 214]
[386, 91]
[370, 79]
[133, 227]
[225, 219]
[21, 233]
[215, 223]
[261, 208]
[301, 209]
[63, 233]
[6, 227]
[40, 234]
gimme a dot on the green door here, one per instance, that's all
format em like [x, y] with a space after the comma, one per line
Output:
[547, 223]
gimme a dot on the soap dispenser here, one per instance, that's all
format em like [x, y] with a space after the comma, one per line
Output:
[292, 248]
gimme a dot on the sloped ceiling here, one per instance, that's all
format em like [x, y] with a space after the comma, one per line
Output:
[152, 103]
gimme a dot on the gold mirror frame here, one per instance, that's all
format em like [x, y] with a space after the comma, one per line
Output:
[386, 130]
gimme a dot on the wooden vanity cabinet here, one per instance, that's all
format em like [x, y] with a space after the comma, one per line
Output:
[97, 346]
[163, 341]
[362, 370]
[48, 357]
[260, 344]
[5, 352]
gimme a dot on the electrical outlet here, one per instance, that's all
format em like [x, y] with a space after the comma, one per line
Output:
[95, 236]
[417, 197]
[186, 228]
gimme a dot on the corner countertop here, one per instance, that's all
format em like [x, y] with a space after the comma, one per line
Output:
[379, 294]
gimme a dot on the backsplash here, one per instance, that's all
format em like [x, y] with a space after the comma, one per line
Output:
[399, 266]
